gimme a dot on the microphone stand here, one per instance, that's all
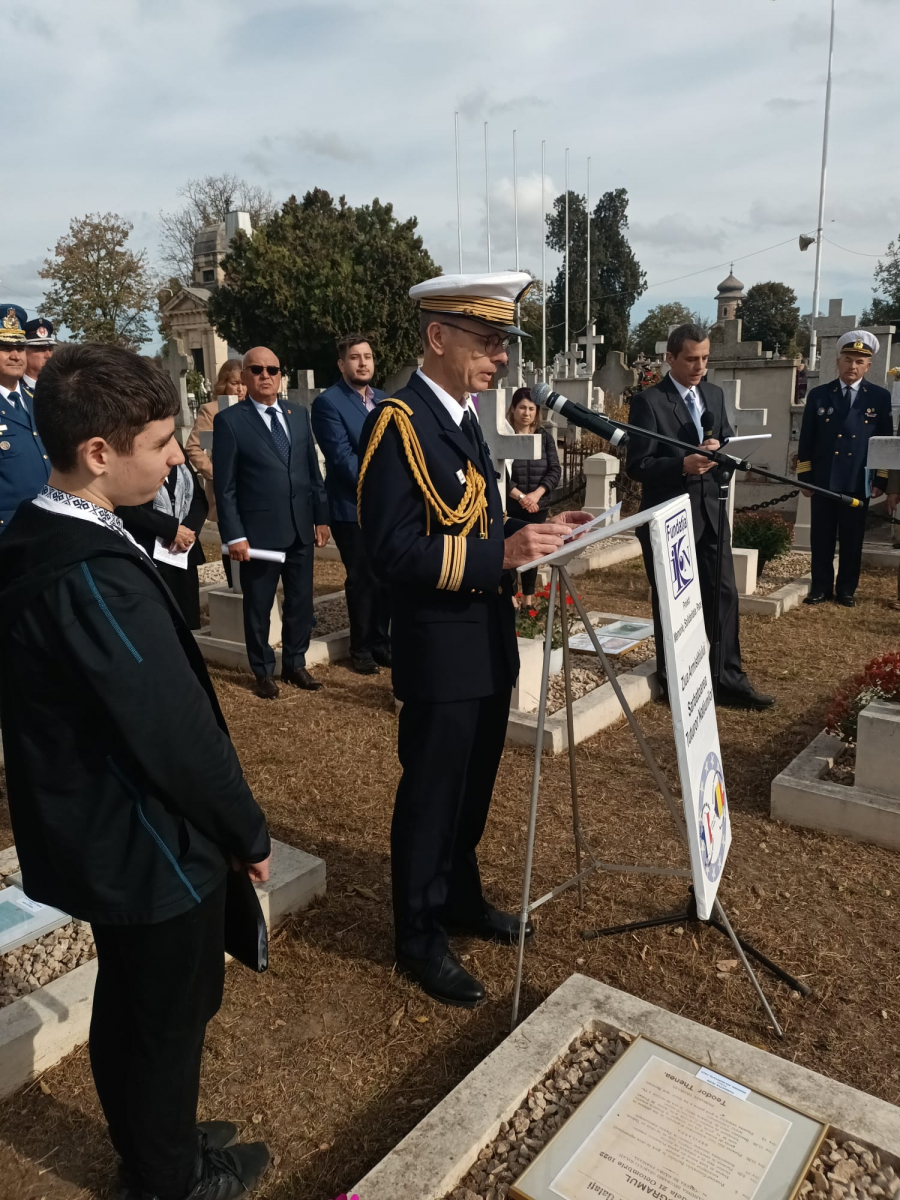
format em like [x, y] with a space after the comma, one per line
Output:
[727, 465]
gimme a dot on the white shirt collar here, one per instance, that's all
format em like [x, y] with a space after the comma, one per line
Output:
[264, 408]
[67, 505]
[854, 387]
[453, 407]
[5, 393]
[682, 390]
[29, 382]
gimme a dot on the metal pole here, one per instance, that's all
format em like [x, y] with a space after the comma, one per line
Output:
[566, 322]
[543, 267]
[535, 787]
[813, 340]
[589, 349]
[570, 738]
[519, 375]
[487, 193]
[458, 193]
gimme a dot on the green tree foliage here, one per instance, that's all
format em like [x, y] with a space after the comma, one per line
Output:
[770, 315]
[655, 326]
[320, 269]
[885, 310]
[616, 276]
[100, 289]
[207, 202]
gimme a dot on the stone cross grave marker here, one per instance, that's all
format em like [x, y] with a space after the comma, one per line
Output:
[589, 340]
[503, 442]
[575, 365]
[178, 364]
[306, 389]
[615, 376]
[731, 345]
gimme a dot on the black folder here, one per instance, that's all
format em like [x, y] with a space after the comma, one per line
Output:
[246, 936]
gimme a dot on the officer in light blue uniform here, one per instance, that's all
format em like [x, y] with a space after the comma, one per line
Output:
[24, 465]
[839, 419]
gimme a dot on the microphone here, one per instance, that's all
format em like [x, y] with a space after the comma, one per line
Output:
[577, 414]
[707, 423]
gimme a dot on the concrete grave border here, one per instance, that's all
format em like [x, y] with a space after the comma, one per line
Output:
[40, 1029]
[801, 796]
[435, 1156]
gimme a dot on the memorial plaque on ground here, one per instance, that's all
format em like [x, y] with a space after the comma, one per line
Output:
[659, 1124]
[616, 638]
[22, 920]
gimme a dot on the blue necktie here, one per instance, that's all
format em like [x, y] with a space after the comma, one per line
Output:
[279, 437]
[693, 407]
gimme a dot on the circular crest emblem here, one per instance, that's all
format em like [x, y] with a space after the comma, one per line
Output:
[713, 806]
[42, 331]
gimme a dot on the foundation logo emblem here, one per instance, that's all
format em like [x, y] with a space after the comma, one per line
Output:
[713, 806]
[678, 545]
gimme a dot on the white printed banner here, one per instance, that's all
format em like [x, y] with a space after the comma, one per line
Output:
[691, 698]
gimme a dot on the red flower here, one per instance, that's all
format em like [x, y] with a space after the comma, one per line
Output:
[532, 612]
[569, 600]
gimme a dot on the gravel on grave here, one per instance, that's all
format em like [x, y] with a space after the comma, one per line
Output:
[331, 616]
[782, 570]
[31, 966]
[587, 674]
[842, 1170]
[211, 572]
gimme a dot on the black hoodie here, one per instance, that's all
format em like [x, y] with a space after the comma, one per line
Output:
[125, 791]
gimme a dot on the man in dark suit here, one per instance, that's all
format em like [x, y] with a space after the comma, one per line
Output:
[338, 415]
[838, 421]
[683, 406]
[433, 525]
[127, 800]
[24, 465]
[270, 496]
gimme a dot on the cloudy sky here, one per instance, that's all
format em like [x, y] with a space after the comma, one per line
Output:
[709, 112]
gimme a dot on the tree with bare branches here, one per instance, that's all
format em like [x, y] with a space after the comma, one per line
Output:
[207, 201]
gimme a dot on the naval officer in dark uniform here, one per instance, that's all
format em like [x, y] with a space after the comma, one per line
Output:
[838, 421]
[24, 465]
[433, 525]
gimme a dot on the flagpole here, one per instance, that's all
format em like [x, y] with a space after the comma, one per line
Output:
[519, 376]
[487, 193]
[458, 193]
[813, 340]
[566, 320]
[543, 267]
[588, 345]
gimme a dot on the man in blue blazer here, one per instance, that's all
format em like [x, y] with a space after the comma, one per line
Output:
[270, 496]
[338, 415]
[24, 465]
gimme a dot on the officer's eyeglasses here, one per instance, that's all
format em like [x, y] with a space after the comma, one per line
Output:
[493, 342]
[256, 369]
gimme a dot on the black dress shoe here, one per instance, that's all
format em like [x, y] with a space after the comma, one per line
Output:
[746, 698]
[492, 926]
[227, 1174]
[365, 666]
[444, 979]
[299, 677]
[846, 601]
[383, 656]
[817, 598]
[266, 687]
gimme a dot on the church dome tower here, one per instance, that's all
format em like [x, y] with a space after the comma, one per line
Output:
[728, 297]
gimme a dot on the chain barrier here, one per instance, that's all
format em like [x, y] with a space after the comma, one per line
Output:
[769, 503]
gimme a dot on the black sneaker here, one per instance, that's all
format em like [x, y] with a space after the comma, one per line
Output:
[211, 1135]
[227, 1174]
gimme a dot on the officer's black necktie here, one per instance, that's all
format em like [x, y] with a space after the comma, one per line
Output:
[471, 434]
[279, 437]
[848, 396]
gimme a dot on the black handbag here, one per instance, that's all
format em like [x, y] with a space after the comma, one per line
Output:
[246, 936]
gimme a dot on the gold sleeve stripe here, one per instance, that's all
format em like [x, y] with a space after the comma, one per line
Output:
[445, 567]
[803, 467]
[459, 564]
[882, 474]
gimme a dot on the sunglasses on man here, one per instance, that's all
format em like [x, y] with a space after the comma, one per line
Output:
[256, 369]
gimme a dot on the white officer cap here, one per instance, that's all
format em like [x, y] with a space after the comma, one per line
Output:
[490, 298]
[859, 341]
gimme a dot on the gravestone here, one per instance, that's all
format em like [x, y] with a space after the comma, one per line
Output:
[877, 748]
[600, 471]
[503, 442]
[616, 377]
[660, 349]
[178, 364]
[590, 340]
[306, 390]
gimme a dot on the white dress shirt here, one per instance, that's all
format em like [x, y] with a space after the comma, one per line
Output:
[453, 407]
[854, 390]
[30, 383]
[265, 409]
[67, 505]
[693, 405]
[5, 393]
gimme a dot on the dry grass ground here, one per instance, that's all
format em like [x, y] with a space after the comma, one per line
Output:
[332, 1059]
